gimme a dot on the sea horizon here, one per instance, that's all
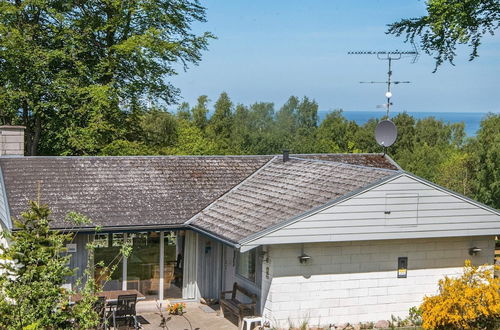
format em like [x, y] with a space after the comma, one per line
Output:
[472, 120]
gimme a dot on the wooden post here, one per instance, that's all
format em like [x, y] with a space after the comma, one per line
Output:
[162, 265]
[124, 269]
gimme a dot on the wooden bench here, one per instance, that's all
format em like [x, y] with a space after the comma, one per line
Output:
[235, 306]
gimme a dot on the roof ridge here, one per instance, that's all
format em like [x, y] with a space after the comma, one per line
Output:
[347, 164]
[137, 156]
[196, 156]
[189, 221]
[340, 153]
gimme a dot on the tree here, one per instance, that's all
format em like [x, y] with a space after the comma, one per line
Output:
[183, 111]
[405, 125]
[286, 123]
[191, 141]
[200, 111]
[34, 271]
[160, 128]
[449, 23]
[307, 123]
[71, 70]
[456, 173]
[33, 268]
[253, 129]
[365, 137]
[307, 113]
[424, 160]
[221, 122]
[335, 132]
[241, 134]
[127, 148]
[433, 132]
[485, 150]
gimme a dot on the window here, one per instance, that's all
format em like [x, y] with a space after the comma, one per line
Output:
[246, 264]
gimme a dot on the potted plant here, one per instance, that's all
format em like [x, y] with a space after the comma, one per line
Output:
[176, 309]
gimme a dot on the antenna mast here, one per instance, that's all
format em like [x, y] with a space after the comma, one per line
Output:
[388, 56]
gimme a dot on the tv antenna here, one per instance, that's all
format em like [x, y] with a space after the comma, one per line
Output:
[389, 56]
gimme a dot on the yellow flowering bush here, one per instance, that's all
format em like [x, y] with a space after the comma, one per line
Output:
[471, 301]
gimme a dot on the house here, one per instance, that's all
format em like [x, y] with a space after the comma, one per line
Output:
[330, 238]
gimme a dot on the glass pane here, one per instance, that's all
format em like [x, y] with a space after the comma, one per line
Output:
[106, 258]
[143, 264]
[174, 257]
[246, 264]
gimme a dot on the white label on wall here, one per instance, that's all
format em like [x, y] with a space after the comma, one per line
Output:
[71, 248]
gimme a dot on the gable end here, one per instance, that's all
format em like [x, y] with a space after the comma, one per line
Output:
[400, 207]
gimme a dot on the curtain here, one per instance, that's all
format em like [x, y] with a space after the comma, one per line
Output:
[190, 286]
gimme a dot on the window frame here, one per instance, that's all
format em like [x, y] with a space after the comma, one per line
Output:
[238, 260]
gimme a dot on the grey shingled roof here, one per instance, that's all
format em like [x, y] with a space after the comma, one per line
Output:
[371, 160]
[280, 191]
[124, 191]
[137, 191]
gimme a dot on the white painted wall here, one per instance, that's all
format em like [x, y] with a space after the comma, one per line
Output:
[357, 281]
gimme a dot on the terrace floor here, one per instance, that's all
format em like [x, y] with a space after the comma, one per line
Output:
[196, 317]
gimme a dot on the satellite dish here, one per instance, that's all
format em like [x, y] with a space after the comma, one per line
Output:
[386, 133]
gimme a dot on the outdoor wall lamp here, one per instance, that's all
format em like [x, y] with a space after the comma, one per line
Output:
[474, 251]
[303, 258]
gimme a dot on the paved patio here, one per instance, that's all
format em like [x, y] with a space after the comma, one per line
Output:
[197, 317]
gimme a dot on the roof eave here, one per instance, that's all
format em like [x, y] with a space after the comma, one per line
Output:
[213, 236]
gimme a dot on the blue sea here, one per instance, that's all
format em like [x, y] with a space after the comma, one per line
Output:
[472, 120]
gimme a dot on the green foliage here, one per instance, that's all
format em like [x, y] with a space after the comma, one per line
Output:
[183, 111]
[449, 23]
[335, 132]
[415, 316]
[200, 112]
[485, 150]
[127, 148]
[221, 122]
[35, 267]
[456, 172]
[73, 72]
[159, 128]
[191, 141]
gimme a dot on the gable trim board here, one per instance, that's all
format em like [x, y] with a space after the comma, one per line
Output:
[4, 203]
[318, 227]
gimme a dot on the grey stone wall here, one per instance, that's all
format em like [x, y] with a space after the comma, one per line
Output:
[12, 140]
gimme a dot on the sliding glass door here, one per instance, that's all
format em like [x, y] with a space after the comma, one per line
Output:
[143, 268]
[108, 262]
[173, 264]
[154, 268]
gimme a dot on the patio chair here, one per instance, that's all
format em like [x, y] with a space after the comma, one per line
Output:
[125, 310]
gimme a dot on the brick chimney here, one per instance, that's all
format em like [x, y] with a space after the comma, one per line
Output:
[12, 140]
